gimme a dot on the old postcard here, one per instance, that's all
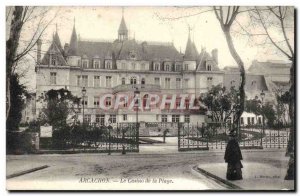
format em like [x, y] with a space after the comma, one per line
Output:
[150, 98]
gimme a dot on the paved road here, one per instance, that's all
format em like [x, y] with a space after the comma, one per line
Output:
[130, 171]
[172, 171]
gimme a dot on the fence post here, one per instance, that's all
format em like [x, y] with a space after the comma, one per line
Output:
[178, 135]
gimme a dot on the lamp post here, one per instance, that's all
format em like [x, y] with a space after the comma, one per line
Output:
[262, 95]
[109, 137]
[136, 93]
[83, 91]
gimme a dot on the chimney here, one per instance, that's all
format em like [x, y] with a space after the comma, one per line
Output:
[214, 54]
[38, 55]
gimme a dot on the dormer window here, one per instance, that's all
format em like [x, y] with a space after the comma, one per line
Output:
[208, 67]
[156, 66]
[167, 68]
[53, 60]
[108, 65]
[177, 67]
[96, 64]
[85, 64]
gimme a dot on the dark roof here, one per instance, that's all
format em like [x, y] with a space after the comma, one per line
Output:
[54, 50]
[191, 52]
[253, 82]
[73, 50]
[203, 58]
[123, 28]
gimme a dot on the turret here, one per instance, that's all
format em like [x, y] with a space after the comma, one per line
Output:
[123, 31]
[73, 57]
[38, 55]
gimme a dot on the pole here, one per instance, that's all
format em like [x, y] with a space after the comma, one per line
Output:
[109, 140]
[82, 109]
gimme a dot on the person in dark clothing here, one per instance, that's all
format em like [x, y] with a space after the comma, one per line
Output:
[233, 157]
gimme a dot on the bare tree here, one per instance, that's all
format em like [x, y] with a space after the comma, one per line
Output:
[28, 23]
[226, 16]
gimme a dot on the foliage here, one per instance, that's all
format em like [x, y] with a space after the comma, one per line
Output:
[269, 112]
[220, 102]
[253, 106]
[17, 93]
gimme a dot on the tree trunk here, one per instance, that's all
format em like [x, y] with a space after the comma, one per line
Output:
[240, 63]
[11, 49]
[290, 147]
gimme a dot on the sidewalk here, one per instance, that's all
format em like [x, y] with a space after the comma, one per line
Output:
[256, 176]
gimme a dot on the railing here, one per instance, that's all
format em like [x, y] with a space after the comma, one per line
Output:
[132, 87]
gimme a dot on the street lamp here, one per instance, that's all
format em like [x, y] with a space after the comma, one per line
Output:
[83, 91]
[262, 95]
[109, 137]
[136, 93]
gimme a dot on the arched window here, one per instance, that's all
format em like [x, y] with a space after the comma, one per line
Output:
[143, 82]
[145, 99]
[133, 80]
[123, 81]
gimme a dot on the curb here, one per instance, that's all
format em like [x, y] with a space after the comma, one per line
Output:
[216, 178]
[26, 172]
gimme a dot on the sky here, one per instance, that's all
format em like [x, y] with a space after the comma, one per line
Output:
[150, 24]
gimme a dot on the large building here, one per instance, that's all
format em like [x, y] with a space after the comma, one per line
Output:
[122, 66]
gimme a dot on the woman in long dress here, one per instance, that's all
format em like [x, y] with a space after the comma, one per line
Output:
[233, 157]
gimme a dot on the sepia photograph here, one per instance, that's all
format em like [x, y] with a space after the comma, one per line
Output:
[150, 98]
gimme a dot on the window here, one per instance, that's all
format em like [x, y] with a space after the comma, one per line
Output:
[124, 117]
[252, 120]
[87, 118]
[209, 82]
[108, 101]
[156, 66]
[53, 60]
[164, 118]
[177, 67]
[177, 103]
[175, 118]
[133, 66]
[96, 81]
[248, 121]
[178, 83]
[108, 65]
[133, 80]
[108, 81]
[125, 104]
[143, 66]
[113, 118]
[85, 101]
[123, 66]
[100, 118]
[186, 66]
[167, 83]
[85, 80]
[143, 82]
[157, 81]
[78, 80]
[52, 77]
[123, 81]
[242, 121]
[259, 120]
[187, 118]
[186, 83]
[208, 67]
[187, 103]
[96, 101]
[167, 68]
[96, 64]
[84, 64]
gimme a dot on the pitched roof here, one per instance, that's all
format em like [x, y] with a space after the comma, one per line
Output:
[203, 58]
[123, 28]
[253, 82]
[73, 50]
[191, 52]
[54, 50]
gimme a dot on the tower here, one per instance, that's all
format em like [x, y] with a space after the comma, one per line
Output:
[123, 31]
[73, 58]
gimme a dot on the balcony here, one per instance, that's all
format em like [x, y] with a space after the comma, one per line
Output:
[132, 87]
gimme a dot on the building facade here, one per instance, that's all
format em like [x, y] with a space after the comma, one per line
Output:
[124, 66]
